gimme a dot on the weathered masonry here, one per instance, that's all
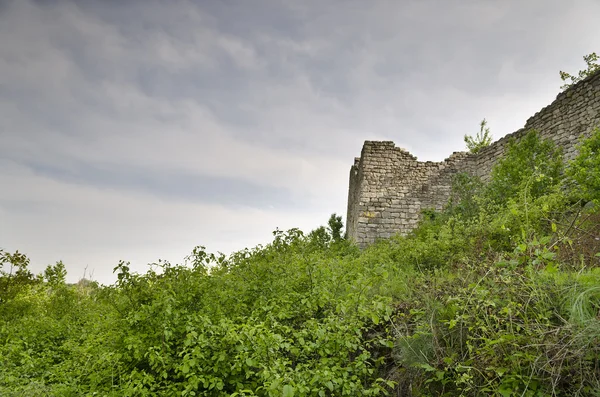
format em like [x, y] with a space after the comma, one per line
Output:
[389, 187]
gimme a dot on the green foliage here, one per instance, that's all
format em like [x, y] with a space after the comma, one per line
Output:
[531, 167]
[481, 140]
[14, 275]
[465, 196]
[335, 227]
[591, 60]
[495, 295]
[55, 275]
[585, 169]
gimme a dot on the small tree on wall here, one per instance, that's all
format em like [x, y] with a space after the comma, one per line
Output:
[593, 66]
[481, 140]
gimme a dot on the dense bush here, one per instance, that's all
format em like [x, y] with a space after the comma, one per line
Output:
[499, 294]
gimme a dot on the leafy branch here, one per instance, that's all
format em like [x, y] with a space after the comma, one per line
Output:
[481, 140]
[593, 66]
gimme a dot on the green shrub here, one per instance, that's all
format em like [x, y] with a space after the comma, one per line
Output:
[495, 295]
[584, 170]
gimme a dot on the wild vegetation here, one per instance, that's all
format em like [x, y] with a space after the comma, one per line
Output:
[592, 67]
[497, 295]
[481, 140]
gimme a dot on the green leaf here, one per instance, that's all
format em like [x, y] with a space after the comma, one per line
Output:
[288, 391]
[426, 367]
[329, 385]
[375, 318]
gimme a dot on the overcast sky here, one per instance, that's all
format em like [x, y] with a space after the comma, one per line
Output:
[137, 130]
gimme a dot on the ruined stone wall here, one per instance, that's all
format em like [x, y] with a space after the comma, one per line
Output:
[389, 187]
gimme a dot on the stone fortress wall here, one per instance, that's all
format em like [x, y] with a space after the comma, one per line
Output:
[389, 187]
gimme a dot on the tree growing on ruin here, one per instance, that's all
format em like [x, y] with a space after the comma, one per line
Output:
[481, 140]
[593, 66]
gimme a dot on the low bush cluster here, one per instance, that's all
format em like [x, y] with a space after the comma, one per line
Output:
[499, 294]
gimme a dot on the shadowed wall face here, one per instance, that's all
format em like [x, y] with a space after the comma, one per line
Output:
[388, 187]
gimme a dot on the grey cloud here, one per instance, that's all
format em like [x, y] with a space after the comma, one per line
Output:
[83, 224]
[199, 103]
[177, 186]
